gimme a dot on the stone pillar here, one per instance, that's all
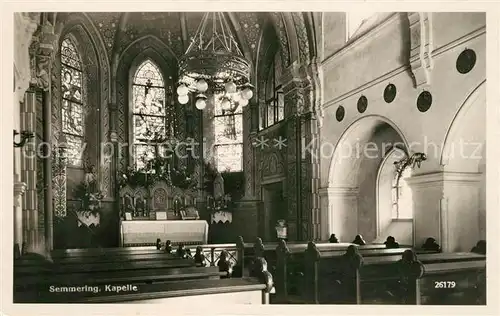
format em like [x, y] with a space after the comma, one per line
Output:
[43, 78]
[339, 213]
[28, 171]
[25, 24]
[446, 207]
[19, 189]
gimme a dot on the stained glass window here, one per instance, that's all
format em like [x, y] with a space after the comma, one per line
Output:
[228, 128]
[153, 119]
[73, 114]
[273, 111]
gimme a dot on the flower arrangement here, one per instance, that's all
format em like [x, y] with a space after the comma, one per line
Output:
[89, 194]
[157, 169]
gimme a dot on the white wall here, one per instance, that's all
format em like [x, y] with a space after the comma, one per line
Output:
[380, 57]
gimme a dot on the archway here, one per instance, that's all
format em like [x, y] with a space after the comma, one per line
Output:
[464, 163]
[353, 176]
[394, 200]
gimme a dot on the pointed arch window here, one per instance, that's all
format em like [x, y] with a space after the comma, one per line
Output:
[273, 111]
[228, 128]
[73, 107]
[152, 119]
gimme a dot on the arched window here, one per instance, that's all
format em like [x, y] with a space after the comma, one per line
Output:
[73, 114]
[152, 120]
[402, 203]
[273, 111]
[394, 195]
[228, 128]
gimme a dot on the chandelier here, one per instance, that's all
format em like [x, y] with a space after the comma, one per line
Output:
[213, 64]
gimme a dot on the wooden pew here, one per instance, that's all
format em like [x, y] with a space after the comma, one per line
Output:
[239, 290]
[124, 276]
[291, 269]
[106, 266]
[453, 283]
[375, 279]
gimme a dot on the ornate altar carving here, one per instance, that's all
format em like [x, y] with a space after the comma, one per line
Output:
[160, 201]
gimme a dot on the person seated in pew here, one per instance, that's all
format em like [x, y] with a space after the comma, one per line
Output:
[480, 247]
[168, 246]
[181, 251]
[358, 240]
[351, 262]
[224, 264]
[431, 245]
[391, 243]
[409, 269]
[333, 239]
[158, 243]
[199, 257]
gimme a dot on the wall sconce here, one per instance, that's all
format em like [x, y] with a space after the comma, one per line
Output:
[409, 162]
[25, 135]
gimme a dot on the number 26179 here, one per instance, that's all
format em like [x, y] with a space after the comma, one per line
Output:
[444, 284]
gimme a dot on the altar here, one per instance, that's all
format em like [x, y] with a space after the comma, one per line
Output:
[160, 211]
[145, 232]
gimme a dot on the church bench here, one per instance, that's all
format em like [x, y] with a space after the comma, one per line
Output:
[210, 290]
[291, 266]
[43, 282]
[453, 283]
[376, 276]
[444, 282]
[106, 266]
[104, 258]
[179, 293]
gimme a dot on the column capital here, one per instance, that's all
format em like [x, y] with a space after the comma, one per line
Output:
[338, 191]
[19, 189]
[438, 179]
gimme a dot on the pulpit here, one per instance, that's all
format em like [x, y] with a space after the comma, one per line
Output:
[160, 211]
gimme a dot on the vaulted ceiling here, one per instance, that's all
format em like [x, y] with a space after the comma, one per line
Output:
[292, 32]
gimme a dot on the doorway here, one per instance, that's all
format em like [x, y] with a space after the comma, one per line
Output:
[274, 210]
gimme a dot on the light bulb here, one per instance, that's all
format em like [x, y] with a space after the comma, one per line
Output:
[182, 90]
[243, 102]
[202, 85]
[247, 93]
[236, 97]
[230, 87]
[201, 104]
[183, 99]
[226, 105]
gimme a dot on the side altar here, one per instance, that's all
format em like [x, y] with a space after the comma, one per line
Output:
[160, 211]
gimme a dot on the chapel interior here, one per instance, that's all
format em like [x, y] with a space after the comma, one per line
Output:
[260, 148]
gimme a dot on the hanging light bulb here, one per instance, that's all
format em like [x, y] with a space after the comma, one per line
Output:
[226, 104]
[183, 99]
[230, 87]
[201, 104]
[247, 93]
[236, 97]
[201, 85]
[243, 102]
[182, 90]
[201, 101]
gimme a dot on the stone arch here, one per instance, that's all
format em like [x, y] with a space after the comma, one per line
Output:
[464, 156]
[354, 167]
[464, 129]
